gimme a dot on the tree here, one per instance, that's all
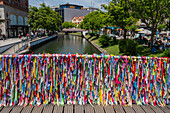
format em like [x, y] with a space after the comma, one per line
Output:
[167, 23]
[161, 27]
[151, 12]
[120, 15]
[93, 21]
[43, 18]
[132, 28]
[67, 24]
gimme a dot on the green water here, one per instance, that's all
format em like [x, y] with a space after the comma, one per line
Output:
[66, 44]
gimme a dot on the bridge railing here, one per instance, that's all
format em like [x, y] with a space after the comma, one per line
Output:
[80, 79]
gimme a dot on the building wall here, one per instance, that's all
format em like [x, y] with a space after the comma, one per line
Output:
[2, 16]
[73, 6]
[69, 14]
[19, 4]
[6, 11]
[77, 21]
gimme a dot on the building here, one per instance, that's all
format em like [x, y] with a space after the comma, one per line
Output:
[91, 9]
[14, 14]
[69, 11]
[77, 20]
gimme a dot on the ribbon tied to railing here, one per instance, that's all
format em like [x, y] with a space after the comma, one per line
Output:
[60, 79]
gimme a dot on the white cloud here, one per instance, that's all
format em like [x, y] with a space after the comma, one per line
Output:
[85, 3]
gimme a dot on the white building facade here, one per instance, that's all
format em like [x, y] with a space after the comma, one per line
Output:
[14, 19]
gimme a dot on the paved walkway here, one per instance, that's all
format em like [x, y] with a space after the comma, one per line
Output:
[86, 109]
[9, 41]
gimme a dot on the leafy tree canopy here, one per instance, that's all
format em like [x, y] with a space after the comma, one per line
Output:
[133, 27]
[67, 24]
[43, 18]
[93, 21]
[151, 12]
[119, 14]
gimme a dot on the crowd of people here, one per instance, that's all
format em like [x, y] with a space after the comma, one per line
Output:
[34, 35]
[162, 42]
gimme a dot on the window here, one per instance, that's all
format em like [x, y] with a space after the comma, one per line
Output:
[26, 20]
[13, 19]
[20, 20]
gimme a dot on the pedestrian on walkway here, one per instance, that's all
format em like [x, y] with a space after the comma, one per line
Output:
[32, 35]
[4, 37]
[27, 36]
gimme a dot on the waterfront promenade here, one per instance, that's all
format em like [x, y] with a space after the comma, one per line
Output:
[6, 44]
[9, 41]
[20, 46]
[85, 109]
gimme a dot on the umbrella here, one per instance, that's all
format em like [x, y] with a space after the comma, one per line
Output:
[142, 24]
[138, 30]
[163, 32]
[145, 32]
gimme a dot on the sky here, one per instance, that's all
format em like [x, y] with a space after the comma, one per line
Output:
[85, 3]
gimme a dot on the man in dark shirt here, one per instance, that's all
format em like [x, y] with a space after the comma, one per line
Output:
[4, 37]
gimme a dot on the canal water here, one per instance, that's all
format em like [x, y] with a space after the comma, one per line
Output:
[66, 44]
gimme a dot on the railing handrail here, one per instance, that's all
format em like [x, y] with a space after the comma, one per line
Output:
[87, 56]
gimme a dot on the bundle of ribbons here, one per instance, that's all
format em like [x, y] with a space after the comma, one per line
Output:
[80, 79]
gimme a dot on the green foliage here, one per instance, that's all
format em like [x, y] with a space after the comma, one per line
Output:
[128, 47]
[104, 40]
[161, 26]
[166, 53]
[122, 45]
[152, 12]
[131, 47]
[93, 21]
[67, 24]
[132, 27]
[119, 14]
[43, 18]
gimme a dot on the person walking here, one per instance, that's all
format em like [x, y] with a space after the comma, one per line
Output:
[4, 37]
[32, 35]
[27, 35]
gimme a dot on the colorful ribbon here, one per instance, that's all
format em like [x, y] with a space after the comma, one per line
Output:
[79, 79]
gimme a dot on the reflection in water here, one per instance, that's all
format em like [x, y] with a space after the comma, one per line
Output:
[67, 44]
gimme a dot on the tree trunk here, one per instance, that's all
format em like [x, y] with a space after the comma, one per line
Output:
[152, 36]
[125, 33]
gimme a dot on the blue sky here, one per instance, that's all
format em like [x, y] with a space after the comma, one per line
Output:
[85, 3]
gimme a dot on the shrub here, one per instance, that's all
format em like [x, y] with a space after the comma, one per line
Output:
[104, 40]
[131, 47]
[166, 53]
[111, 42]
[128, 47]
[122, 45]
[91, 34]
